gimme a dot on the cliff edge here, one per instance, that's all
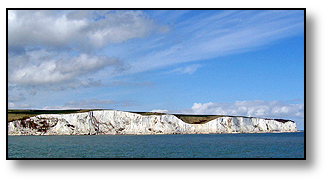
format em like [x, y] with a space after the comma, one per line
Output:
[120, 122]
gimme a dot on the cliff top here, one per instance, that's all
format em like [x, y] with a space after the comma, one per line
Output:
[191, 119]
[14, 114]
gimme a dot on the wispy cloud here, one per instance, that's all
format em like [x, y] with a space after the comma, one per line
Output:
[186, 70]
[213, 35]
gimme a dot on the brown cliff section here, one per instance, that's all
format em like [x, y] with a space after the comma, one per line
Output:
[190, 119]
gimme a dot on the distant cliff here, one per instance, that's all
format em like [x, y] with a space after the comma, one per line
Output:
[120, 122]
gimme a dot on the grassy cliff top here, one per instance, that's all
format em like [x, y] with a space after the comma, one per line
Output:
[24, 114]
[191, 119]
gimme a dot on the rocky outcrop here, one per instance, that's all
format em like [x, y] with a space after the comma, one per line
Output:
[120, 122]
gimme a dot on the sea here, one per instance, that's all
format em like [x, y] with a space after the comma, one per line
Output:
[201, 146]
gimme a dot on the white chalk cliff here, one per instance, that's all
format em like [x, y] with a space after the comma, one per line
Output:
[120, 122]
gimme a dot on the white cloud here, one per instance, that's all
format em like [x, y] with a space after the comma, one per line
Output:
[75, 28]
[29, 28]
[258, 108]
[41, 71]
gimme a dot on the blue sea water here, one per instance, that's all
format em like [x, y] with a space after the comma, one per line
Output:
[264, 145]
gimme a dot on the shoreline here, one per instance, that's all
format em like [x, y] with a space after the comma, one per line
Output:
[160, 134]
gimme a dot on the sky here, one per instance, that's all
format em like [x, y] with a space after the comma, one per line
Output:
[230, 62]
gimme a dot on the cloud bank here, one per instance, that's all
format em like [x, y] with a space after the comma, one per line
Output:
[55, 46]
[257, 108]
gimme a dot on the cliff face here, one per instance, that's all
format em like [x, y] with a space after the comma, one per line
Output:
[119, 122]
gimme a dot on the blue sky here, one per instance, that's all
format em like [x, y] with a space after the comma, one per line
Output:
[247, 63]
